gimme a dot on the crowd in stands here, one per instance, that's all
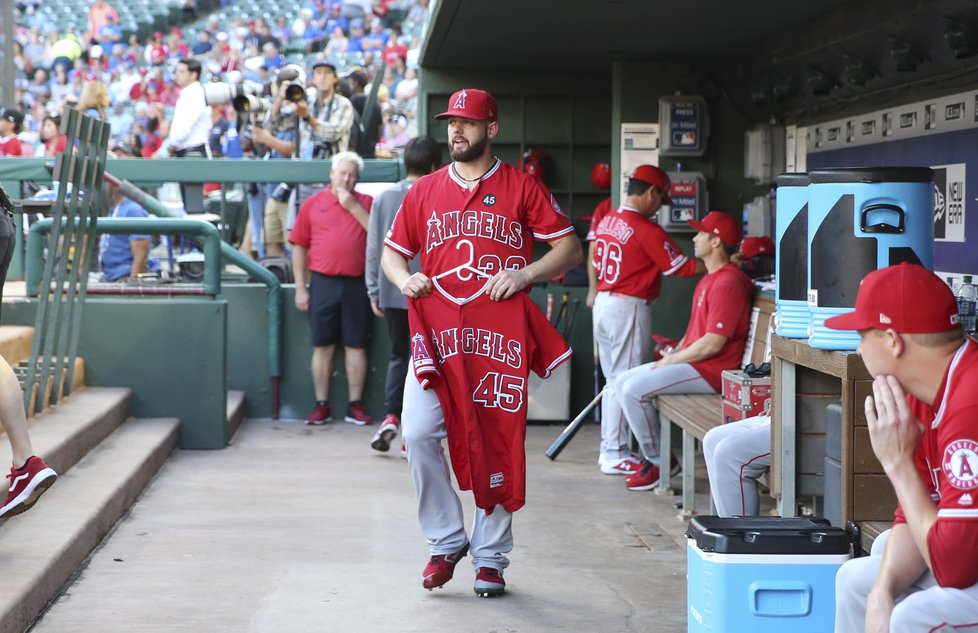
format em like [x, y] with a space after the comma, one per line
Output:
[106, 72]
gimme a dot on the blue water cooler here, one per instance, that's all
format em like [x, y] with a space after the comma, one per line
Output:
[791, 256]
[860, 220]
[762, 574]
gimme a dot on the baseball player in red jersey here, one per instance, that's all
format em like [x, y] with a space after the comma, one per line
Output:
[601, 179]
[631, 254]
[481, 213]
[923, 426]
[714, 341]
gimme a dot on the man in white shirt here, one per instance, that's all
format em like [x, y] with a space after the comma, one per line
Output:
[191, 126]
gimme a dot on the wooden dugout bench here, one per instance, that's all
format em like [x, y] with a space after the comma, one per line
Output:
[804, 382]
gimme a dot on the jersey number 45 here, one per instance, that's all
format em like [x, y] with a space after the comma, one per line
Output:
[500, 390]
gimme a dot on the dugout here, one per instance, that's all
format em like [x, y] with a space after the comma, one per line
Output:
[787, 87]
[567, 79]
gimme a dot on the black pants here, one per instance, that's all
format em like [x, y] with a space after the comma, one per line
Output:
[8, 237]
[397, 367]
[192, 195]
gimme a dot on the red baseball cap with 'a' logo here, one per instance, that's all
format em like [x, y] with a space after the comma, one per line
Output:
[471, 103]
[754, 246]
[906, 298]
[720, 224]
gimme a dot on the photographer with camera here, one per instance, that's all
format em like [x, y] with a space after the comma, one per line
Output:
[326, 121]
[267, 119]
[277, 138]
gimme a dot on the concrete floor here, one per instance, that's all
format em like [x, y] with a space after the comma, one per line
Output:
[302, 529]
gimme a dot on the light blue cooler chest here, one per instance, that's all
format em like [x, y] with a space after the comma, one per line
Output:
[791, 257]
[762, 574]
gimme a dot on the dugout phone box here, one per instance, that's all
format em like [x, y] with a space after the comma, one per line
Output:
[690, 200]
[744, 396]
[762, 574]
[683, 126]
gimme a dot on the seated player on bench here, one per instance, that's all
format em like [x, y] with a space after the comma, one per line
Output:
[923, 426]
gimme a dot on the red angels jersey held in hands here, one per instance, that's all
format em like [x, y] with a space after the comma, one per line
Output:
[631, 253]
[947, 462]
[501, 217]
[477, 354]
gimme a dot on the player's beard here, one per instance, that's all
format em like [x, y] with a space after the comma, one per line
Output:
[471, 152]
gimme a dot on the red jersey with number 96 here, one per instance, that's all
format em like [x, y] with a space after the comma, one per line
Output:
[632, 253]
[477, 354]
[495, 223]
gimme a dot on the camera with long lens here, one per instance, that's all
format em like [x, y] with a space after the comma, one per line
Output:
[296, 76]
[251, 97]
[245, 97]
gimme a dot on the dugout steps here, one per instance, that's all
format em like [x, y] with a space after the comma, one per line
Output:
[105, 458]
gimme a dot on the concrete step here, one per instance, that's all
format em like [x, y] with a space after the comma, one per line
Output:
[15, 343]
[64, 434]
[43, 548]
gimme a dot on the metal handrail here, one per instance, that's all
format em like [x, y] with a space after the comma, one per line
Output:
[139, 226]
[214, 250]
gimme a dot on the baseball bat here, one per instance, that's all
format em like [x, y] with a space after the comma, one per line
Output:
[571, 429]
[558, 317]
[569, 323]
[550, 306]
[597, 376]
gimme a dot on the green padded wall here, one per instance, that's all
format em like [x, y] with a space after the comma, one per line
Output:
[172, 353]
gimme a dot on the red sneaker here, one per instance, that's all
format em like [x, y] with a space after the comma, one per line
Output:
[441, 568]
[646, 478]
[319, 415]
[26, 486]
[385, 434]
[357, 414]
[489, 582]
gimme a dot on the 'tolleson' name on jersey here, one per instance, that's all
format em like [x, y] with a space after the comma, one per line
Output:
[480, 342]
[615, 227]
[483, 224]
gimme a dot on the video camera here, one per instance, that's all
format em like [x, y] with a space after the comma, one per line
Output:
[252, 97]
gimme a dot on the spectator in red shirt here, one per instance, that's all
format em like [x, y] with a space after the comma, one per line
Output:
[54, 141]
[156, 51]
[11, 121]
[170, 94]
[98, 16]
[329, 243]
